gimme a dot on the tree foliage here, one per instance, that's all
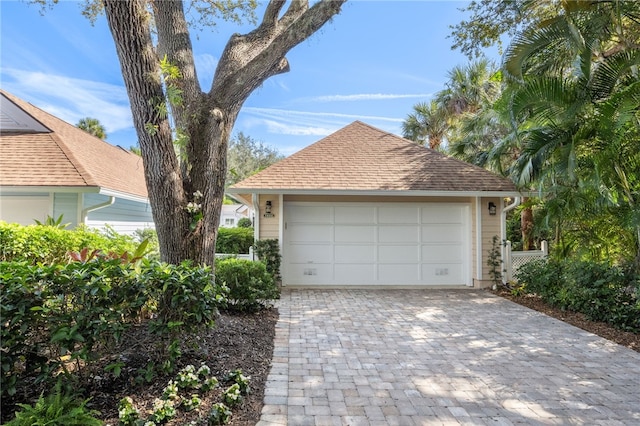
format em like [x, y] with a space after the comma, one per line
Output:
[93, 126]
[493, 20]
[468, 90]
[567, 122]
[247, 156]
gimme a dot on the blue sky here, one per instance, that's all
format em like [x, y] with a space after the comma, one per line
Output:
[372, 63]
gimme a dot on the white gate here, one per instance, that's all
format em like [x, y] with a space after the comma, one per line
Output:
[513, 260]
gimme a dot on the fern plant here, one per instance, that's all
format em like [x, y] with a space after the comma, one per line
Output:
[56, 409]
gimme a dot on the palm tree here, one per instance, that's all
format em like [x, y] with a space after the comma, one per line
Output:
[575, 104]
[467, 90]
[427, 124]
[93, 126]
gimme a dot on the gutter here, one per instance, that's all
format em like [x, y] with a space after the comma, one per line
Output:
[392, 193]
[85, 212]
[255, 203]
[503, 229]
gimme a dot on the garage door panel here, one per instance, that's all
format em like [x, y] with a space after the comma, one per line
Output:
[442, 253]
[442, 233]
[311, 253]
[442, 214]
[407, 215]
[398, 234]
[355, 253]
[310, 214]
[401, 254]
[346, 274]
[357, 234]
[310, 274]
[447, 273]
[309, 233]
[399, 274]
[353, 214]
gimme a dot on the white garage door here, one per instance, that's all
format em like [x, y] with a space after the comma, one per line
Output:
[376, 244]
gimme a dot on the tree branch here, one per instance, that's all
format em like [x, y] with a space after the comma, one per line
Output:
[248, 60]
[174, 41]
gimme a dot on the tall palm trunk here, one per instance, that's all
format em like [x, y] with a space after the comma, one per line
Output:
[527, 227]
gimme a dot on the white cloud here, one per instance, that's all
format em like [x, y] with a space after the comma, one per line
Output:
[71, 99]
[289, 129]
[308, 124]
[206, 68]
[366, 97]
[280, 113]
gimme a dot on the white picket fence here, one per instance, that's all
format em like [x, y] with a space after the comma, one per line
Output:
[513, 260]
[249, 256]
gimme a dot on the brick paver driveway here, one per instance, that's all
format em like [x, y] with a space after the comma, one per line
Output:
[429, 357]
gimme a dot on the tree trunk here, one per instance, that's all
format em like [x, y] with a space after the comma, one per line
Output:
[130, 28]
[186, 221]
[527, 227]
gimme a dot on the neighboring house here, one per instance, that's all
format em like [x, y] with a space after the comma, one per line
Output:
[50, 168]
[232, 213]
[366, 207]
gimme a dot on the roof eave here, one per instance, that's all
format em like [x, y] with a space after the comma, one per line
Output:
[13, 189]
[395, 193]
[124, 195]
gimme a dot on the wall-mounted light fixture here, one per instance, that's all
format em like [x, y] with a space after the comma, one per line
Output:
[492, 208]
[267, 209]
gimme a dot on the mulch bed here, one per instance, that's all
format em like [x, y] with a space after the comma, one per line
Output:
[238, 341]
[625, 338]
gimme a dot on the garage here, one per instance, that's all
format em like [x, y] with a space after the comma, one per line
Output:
[364, 207]
[340, 244]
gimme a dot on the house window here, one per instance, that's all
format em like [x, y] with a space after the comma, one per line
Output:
[229, 221]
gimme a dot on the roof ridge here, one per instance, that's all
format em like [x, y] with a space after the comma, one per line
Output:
[82, 172]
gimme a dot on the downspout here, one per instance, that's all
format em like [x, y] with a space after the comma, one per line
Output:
[478, 207]
[85, 212]
[503, 229]
[256, 217]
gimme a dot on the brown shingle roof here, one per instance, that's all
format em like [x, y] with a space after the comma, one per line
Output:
[360, 157]
[66, 156]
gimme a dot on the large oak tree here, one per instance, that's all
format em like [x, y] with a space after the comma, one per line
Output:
[153, 43]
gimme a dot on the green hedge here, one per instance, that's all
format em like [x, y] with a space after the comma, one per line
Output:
[82, 308]
[600, 291]
[234, 240]
[250, 285]
[48, 244]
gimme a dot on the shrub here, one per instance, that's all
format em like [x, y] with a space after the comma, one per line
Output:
[268, 251]
[249, 283]
[150, 235]
[76, 309]
[245, 222]
[187, 296]
[600, 291]
[80, 308]
[49, 244]
[234, 240]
